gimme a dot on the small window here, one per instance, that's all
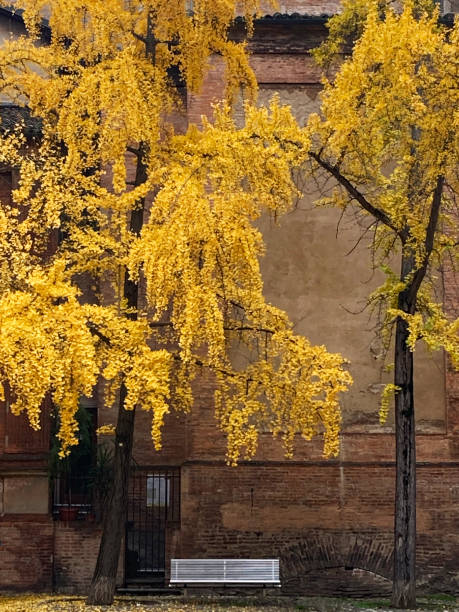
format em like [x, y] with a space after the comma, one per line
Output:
[157, 490]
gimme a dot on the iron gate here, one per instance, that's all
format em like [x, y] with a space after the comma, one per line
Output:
[153, 504]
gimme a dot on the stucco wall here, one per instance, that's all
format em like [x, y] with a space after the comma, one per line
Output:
[25, 494]
[319, 269]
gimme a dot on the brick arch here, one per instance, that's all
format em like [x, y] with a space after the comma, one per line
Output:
[328, 551]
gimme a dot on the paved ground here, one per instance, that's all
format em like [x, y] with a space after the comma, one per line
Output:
[69, 603]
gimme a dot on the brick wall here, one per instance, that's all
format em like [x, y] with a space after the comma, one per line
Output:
[76, 545]
[26, 552]
[37, 553]
[5, 185]
[331, 525]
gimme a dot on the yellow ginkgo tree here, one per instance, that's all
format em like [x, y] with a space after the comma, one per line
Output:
[388, 134]
[174, 244]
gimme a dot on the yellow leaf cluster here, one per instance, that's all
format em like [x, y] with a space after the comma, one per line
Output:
[105, 97]
[389, 130]
[387, 394]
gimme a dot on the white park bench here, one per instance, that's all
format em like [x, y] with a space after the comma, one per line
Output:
[225, 572]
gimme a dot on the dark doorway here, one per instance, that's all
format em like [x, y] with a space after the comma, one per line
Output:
[153, 505]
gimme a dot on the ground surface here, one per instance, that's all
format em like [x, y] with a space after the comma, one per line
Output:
[73, 603]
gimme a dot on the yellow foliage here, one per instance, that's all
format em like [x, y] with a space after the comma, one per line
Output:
[388, 131]
[103, 92]
[47, 602]
[388, 392]
[347, 26]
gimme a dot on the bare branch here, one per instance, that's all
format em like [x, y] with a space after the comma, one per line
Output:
[139, 37]
[361, 237]
[354, 192]
[429, 239]
[250, 328]
[95, 331]
[134, 151]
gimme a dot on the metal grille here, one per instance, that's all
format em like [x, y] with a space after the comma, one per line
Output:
[153, 504]
[72, 491]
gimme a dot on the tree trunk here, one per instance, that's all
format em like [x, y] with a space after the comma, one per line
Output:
[404, 583]
[102, 589]
[103, 584]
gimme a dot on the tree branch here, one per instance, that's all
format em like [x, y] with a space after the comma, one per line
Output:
[354, 192]
[139, 37]
[429, 239]
[93, 329]
[250, 328]
[134, 151]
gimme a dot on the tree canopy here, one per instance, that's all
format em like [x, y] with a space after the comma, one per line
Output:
[183, 229]
[388, 134]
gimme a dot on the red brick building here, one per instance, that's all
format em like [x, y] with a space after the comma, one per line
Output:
[329, 522]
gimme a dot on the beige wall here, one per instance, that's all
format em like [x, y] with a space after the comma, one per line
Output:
[451, 6]
[310, 272]
[11, 29]
[26, 494]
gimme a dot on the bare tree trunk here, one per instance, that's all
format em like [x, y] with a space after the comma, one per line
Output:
[102, 589]
[404, 583]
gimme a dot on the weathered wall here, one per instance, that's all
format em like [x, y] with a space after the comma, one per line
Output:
[311, 7]
[76, 545]
[331, 525]
[26, 552]
[24, 493]
[319, 270]
[450, 6]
